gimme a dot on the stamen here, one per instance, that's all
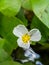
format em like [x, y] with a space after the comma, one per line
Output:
[25, 38]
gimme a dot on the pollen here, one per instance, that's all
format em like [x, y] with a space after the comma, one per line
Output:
[25, 38]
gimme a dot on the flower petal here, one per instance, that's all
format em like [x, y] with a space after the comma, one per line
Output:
[25, 60]
[20, 30]
[35, 35]
[38, 63]
[31, 54]
[27, 53]
[32, 58]
[23, 45]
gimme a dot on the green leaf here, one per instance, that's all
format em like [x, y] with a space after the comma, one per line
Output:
[4, 44]
[2, 41]
[0, 19]
[10, 7]
[27, 4]
[10, 63]
[3, 4]
[21, 16]
[43, 29]
[29, 63]
[41, 9]
[3, 55]
[7, 25]
[45, 46]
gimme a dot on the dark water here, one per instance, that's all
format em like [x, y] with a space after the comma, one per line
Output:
[44, 54]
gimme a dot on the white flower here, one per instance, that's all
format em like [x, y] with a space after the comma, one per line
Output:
[24, 61]
[38, 63]
[26, 36]
[31, 54]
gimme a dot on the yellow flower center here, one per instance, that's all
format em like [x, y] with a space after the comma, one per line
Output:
[25, 38]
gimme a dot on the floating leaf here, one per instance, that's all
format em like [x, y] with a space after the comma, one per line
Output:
[10, 7]
[7, 26]
[3, 55]
[41, 10]
[27, 4]
[10, 63]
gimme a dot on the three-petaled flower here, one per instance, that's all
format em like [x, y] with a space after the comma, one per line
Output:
[25, 36]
